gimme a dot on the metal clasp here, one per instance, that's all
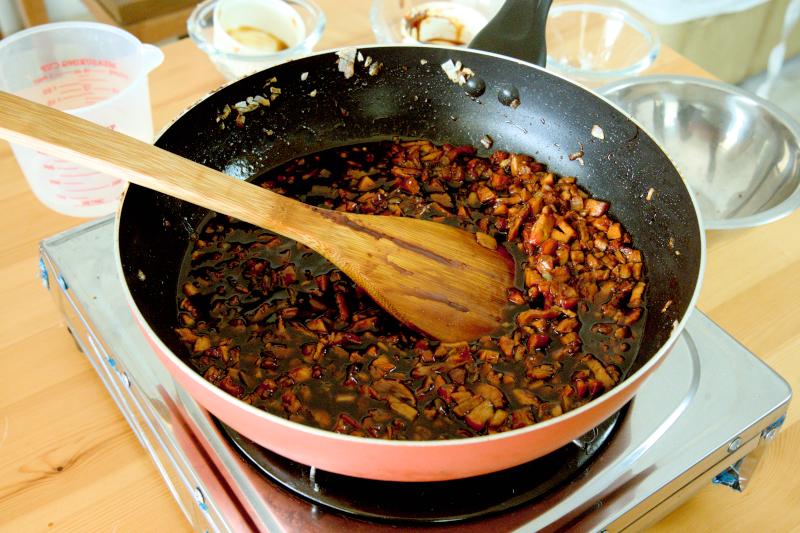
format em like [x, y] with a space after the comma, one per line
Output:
[43, 274]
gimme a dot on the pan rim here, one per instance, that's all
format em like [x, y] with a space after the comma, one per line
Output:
[618, 390]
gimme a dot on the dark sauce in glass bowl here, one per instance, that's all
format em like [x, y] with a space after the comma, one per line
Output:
[278, 326]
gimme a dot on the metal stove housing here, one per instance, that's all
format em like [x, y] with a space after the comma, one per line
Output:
[709, 406]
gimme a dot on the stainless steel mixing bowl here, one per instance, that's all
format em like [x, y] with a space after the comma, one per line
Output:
[738, 153]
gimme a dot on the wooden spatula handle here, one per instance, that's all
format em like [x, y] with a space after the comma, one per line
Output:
[42, 128]
[432, 276]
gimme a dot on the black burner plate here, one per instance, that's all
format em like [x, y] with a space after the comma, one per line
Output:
[430, 502]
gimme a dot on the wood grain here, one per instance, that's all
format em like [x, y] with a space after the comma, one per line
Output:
[751, 288]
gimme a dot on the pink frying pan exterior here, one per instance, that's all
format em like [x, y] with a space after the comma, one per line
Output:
[398, 460]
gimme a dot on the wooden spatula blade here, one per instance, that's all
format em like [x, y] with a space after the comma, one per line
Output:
[432, 276]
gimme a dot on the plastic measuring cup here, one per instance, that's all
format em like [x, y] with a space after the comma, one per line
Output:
[91, 70]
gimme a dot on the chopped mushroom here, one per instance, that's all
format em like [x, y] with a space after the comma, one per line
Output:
[270, 322]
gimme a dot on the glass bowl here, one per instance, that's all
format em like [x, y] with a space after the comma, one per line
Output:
[447, 22]
[232, 65]
[595, 44]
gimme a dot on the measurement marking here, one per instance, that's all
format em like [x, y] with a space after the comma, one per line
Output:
[85, 80]
[65, 92]
[79, 96]
[60, 182]
[90, 189]
[72, 97]
[86, 99]
[82, 174]
[74, 94]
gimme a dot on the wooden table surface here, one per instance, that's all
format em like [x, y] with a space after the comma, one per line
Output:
[68, 460]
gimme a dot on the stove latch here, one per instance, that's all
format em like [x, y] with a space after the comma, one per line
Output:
[739, 473]
[200, 499]
[43, 274]
[771, 431]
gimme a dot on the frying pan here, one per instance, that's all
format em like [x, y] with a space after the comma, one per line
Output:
[412, 97]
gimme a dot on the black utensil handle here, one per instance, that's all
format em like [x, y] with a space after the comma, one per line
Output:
[517, 30]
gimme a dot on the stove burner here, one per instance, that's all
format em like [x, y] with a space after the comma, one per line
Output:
[430, 502]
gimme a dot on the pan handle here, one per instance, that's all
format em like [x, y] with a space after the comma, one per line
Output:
[517, 30]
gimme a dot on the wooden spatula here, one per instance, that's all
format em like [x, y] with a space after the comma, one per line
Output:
[433, 277]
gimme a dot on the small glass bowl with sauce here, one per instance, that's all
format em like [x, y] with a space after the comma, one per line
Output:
[238, 44]
[443, 22]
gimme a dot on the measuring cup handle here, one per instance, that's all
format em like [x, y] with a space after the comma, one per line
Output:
[152, 55]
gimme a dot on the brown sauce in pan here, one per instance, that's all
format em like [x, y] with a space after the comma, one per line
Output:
[278, 326]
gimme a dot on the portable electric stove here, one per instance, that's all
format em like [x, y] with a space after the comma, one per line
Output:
[703, 417]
